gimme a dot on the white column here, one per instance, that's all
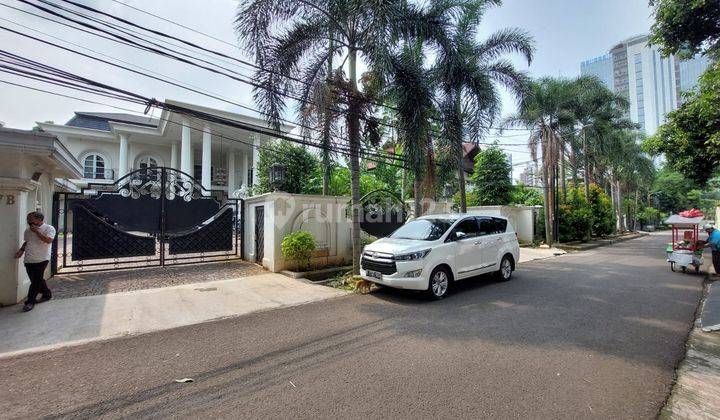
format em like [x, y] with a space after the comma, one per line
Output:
[174, 155]
[243, 169]
[255, 160]
[123, 159]
[232, 186]
[186, 148]
[207, 158]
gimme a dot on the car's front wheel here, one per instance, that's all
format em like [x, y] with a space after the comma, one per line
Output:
[439, 283]
[506, 269]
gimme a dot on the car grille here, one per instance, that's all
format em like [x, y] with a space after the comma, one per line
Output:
[383, 266]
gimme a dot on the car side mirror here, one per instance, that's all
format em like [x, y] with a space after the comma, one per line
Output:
[460, 236]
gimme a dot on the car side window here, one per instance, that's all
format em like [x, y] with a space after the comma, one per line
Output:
[469, 227]
[500, 225]
[487, 226]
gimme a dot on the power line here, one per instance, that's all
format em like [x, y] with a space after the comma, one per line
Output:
[194, 89]
[180, 40]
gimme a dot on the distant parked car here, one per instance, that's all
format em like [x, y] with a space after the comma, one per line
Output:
[430, 252]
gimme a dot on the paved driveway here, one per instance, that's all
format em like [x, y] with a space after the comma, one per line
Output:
[594, 334]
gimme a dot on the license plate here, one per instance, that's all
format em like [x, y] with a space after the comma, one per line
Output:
[374, 274]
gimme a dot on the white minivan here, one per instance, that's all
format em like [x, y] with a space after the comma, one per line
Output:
[430, 252]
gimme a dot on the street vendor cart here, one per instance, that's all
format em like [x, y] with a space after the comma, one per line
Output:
[686, 249]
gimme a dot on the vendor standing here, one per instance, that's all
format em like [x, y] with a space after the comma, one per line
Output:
[714, 243]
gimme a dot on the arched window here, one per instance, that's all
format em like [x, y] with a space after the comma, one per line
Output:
[94, 167]
[147, 162]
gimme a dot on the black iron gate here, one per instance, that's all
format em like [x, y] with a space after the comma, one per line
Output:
[150, 217]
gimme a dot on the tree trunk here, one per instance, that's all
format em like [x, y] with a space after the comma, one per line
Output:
[461, 172]
[461, 185]
[573, 160]
[417, 192]
[353, 122]
[586, 167]
[327, 165]
[621, 220]
[561, 172]
[547, 205]
[635, 213]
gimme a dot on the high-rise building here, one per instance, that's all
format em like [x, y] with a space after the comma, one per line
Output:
[653, 84]
[600, 67]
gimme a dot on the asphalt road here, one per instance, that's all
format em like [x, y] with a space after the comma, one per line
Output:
[596, 334]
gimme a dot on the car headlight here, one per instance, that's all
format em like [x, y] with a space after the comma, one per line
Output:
[412, 256]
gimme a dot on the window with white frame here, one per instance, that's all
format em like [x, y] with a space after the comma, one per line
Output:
[94, 166]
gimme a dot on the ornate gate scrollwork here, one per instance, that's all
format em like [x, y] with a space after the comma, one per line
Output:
[381, 213]
[142, 218]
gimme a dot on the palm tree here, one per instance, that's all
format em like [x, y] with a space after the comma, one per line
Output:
[545, 111]
[629, 166]
[597, 111]
[407, 86]
[467, 74]
[295, 39]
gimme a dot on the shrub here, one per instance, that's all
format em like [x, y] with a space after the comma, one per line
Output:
[576, 218]
[603, 216]
[575, 223]
[298, 246]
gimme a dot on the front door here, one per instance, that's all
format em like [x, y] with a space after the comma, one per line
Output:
[468, 253]
[259, 233]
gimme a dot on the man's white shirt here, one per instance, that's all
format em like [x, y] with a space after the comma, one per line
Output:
[35, 249]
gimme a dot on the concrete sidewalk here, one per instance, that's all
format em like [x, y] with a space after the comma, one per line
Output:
[532, 254]
[89, 318]
[696, 393]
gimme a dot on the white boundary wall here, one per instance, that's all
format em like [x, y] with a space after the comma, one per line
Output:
[521, 217]
[323, 216]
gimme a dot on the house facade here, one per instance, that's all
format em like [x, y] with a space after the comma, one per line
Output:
[111, 145]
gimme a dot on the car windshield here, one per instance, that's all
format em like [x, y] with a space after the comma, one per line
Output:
[423, 229]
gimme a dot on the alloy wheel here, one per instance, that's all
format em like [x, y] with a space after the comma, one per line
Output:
[439, 283]
[506, 269]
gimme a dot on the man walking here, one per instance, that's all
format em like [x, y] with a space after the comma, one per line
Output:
[38, 237]
[714, 243]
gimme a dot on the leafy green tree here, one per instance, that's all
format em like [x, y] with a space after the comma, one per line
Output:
[686, 27]
[690, 139]
[648, 216]
[300, 165]
[467, 74]
[339, 182]
[492, 177]
[526, 196]
[670, 191]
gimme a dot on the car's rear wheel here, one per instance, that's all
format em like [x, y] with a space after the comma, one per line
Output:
[439, 283]
[506, 269]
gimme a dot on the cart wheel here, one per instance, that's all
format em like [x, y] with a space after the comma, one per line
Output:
[672, 266]
[684, 269]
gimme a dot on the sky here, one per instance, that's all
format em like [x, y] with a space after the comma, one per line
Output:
[566, 32]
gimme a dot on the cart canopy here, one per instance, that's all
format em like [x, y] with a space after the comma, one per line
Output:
[679, 221]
